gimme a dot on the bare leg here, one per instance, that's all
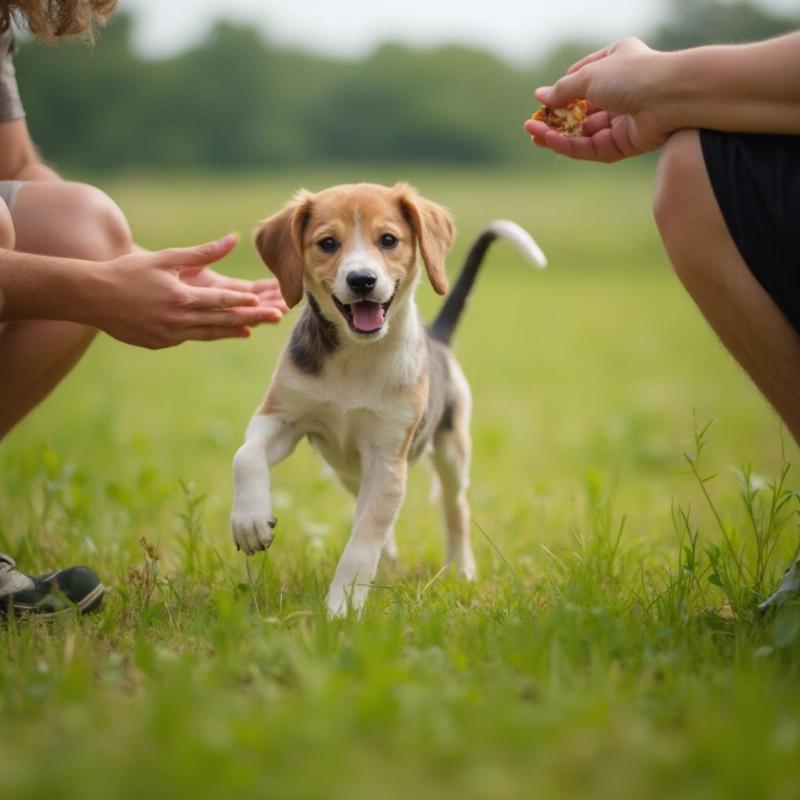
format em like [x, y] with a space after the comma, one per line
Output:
[53, 218]
[711, 268]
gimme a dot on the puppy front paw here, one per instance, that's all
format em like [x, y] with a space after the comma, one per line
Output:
[252, 530]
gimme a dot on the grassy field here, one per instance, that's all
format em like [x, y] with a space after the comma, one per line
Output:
[609, 648]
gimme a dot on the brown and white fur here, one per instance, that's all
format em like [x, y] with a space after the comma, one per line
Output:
[361, 376]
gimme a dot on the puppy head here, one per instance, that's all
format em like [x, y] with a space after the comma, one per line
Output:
[354, 249]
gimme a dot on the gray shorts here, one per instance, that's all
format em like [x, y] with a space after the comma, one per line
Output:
[8, 190]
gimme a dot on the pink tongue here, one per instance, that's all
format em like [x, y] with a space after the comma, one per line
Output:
[367, 316]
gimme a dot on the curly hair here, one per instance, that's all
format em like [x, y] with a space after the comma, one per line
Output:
[52, 20]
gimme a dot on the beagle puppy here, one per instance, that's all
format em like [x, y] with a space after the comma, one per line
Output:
[361, 376]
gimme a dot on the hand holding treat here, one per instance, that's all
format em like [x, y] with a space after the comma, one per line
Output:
[567, 121]
[619, 117]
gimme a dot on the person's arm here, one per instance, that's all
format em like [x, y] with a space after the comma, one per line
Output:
[752, 88]
[19, 160]
[142, 298]
[638, 96]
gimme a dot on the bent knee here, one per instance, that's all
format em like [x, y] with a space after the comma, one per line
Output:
[102, 231]
[7, 235]
[680, 166]
[686, 210]
[69, 219]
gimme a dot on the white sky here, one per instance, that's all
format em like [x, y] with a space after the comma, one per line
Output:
[518, 29]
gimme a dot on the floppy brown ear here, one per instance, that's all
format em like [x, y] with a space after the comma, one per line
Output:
[434, 230]
[279, 241]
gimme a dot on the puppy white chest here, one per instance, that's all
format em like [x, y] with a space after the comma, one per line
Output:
[359, 408]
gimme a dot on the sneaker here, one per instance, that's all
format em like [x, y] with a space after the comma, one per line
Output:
[50, 595]
[788, 588]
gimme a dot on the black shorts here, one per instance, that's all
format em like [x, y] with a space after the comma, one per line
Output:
[756, 180]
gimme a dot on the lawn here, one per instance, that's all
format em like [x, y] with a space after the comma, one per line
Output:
[631, 506]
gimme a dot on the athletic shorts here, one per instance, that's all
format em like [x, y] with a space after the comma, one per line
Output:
[756, 180]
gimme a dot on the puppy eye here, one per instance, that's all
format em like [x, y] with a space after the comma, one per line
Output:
[388, 241]
[328, 244]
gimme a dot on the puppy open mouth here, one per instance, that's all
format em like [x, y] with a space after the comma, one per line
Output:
[364, 316]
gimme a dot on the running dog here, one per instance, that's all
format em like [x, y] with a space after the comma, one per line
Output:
[361, 376]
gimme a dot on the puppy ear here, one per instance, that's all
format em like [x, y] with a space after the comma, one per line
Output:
[434, 229]
[279, 241]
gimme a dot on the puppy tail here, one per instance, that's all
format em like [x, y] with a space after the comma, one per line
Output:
[444, 325]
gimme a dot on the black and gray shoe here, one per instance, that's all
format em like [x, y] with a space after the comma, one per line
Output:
[789, 588]
[75, 589]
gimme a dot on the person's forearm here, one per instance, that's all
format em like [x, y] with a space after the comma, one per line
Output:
[46, 287]
[744, 88]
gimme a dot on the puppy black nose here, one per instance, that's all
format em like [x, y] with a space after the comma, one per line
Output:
[361, 281]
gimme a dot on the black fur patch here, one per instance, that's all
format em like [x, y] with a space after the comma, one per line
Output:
[439, 411]
[446, 422]
[313, 338]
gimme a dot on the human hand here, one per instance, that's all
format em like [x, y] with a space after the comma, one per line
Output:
[161, 299]
[266, 289]
[625, 117]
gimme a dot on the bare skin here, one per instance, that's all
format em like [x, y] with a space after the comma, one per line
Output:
[638, 96]
[641, 100]
[714, 273]
[68, 268]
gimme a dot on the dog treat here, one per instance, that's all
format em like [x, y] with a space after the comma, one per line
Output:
[567, 121]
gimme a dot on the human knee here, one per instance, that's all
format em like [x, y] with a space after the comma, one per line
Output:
[684, 207]
[7, 236]
[101, 230]
[679, 166]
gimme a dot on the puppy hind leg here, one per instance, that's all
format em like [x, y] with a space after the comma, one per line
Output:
[451, 457]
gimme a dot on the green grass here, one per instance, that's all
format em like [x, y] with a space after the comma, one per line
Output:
[610, 647]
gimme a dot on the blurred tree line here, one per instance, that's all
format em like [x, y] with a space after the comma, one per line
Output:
[238, 100]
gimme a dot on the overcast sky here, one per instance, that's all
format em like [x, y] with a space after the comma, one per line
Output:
[518, 29]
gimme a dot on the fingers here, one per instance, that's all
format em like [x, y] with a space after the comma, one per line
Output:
[205, 276]
[266, 285]
[599, 147]
[605, 137]
[212, 325]
[267, 290]
[596, 56]
[211, 333]
[536, 128]
[570, 87]
[201, 298]
[596, 122]
[234, 317]
[276, 301]
[628, 44]
[197, 256]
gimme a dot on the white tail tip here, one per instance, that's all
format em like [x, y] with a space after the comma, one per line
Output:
[521, 239]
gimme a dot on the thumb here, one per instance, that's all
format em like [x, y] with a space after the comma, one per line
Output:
[570, 87]
[198, 256]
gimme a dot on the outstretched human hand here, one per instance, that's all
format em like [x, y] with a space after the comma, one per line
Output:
[161, 299]
[267, 289]
[624, 119]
